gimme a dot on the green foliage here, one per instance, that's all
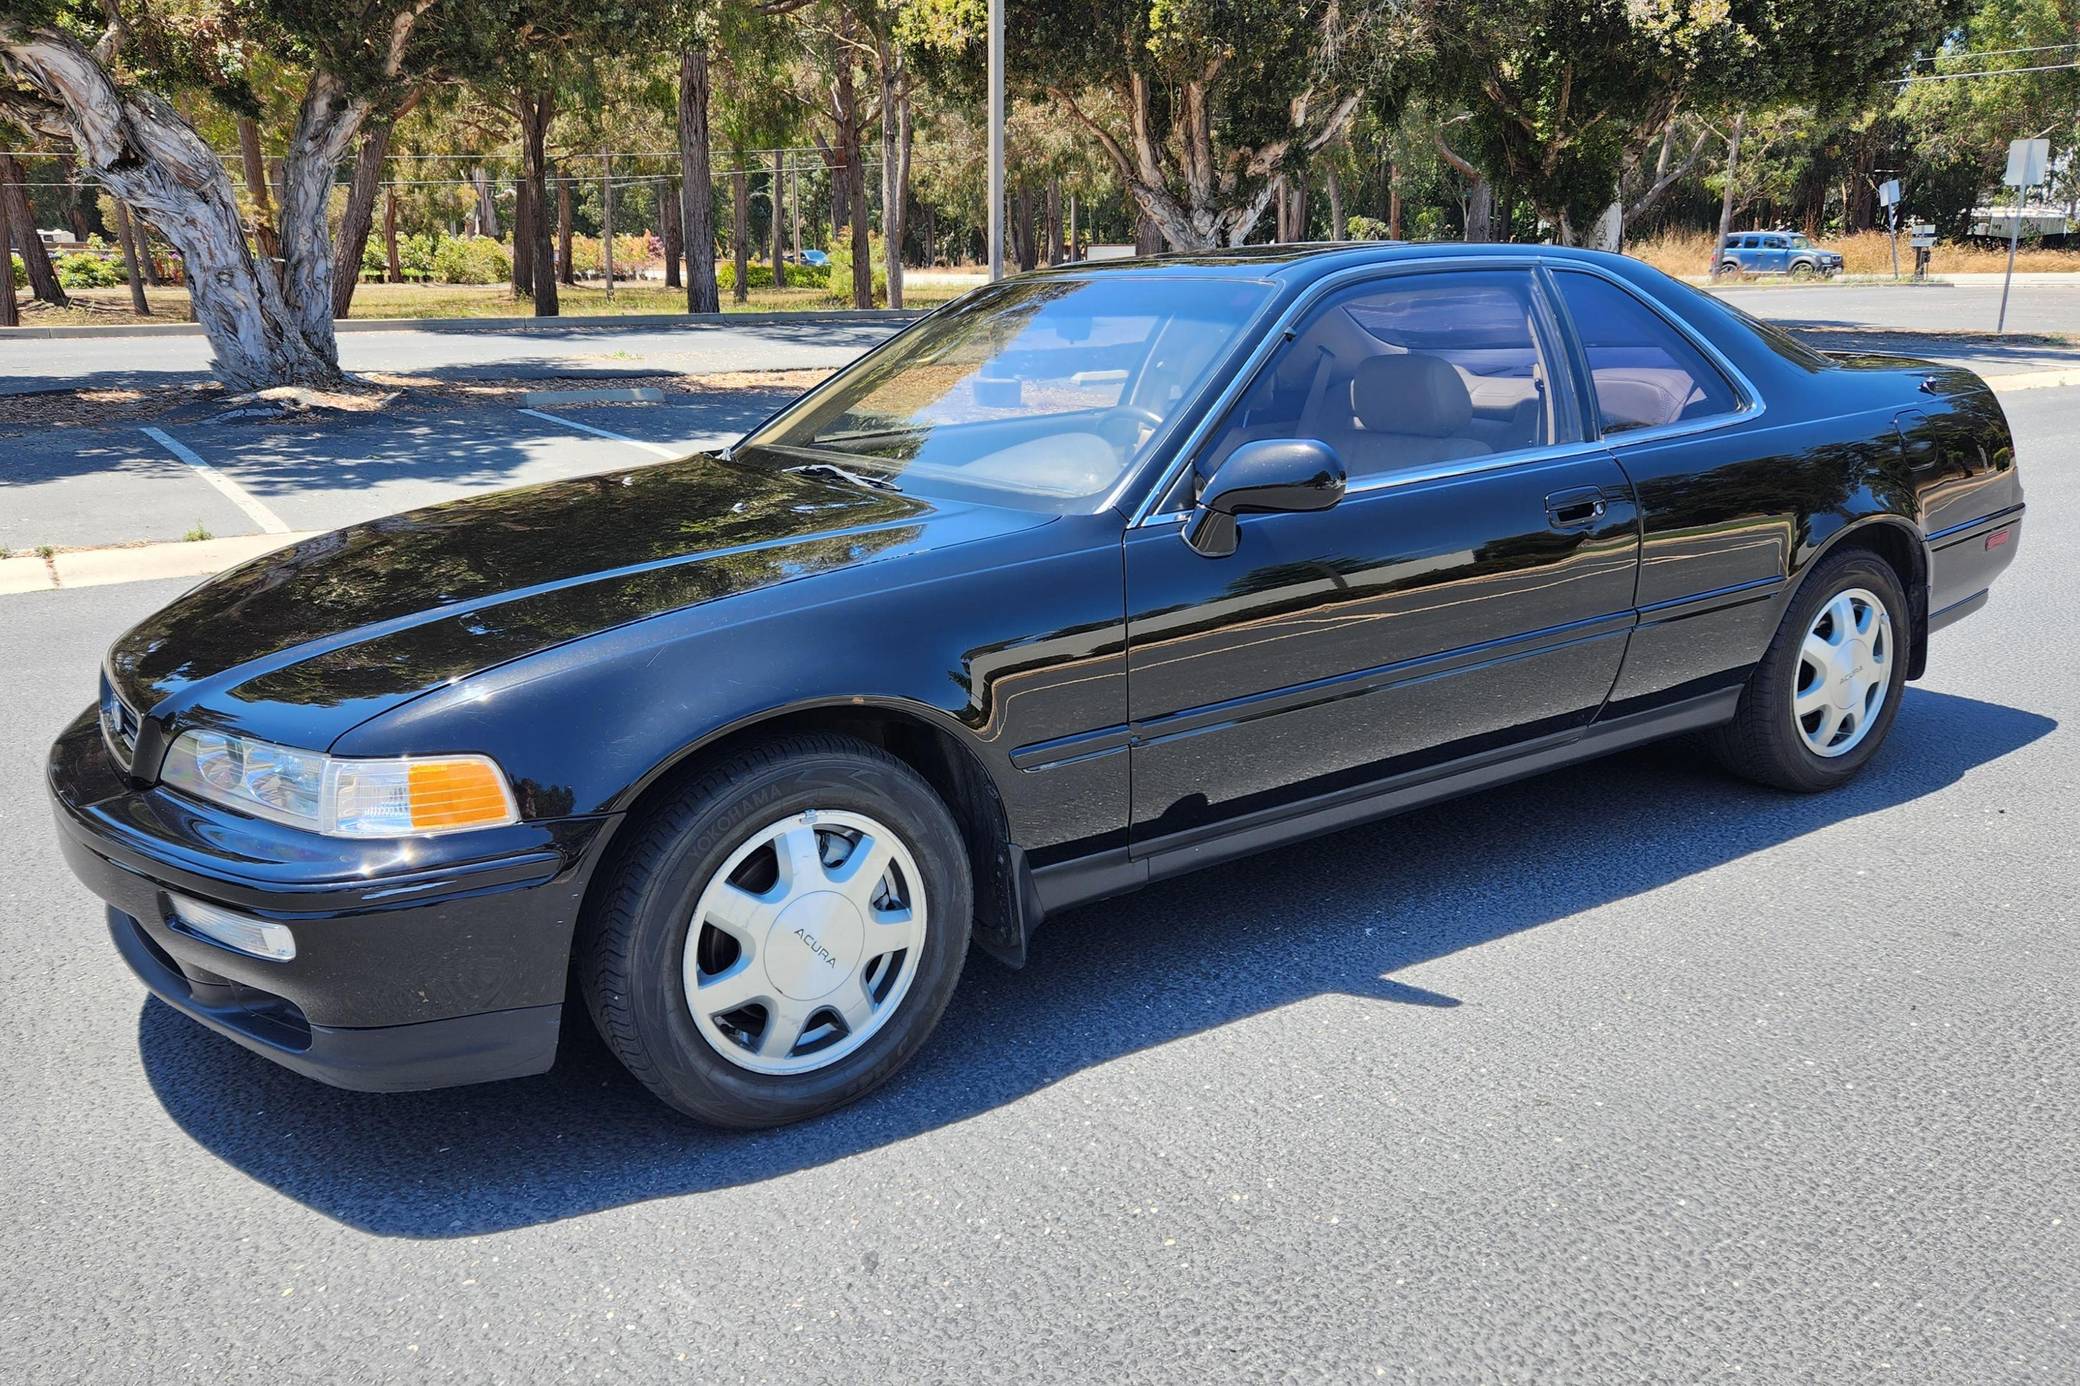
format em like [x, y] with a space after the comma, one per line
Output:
[471, 260]
[839, 278]
[21, 271]
[759, 277]
[83, 269]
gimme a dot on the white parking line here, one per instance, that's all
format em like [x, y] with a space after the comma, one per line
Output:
[245, 500]
[658, 448]
[2032, 380]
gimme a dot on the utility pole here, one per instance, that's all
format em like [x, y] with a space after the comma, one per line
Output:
[996, 139]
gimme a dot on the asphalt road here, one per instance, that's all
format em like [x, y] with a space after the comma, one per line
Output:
[458, 353]
[461, 353]
[1627, 1074]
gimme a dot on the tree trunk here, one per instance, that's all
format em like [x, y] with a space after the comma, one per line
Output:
[394, 268]
[1338, 228]
[778, 197]
[1480, 212]
[10, 306]
[895, 168]
[1075, 249]
[326, 125]
[1393, 200]
[1051, 224]
[537, 109]
[138, 147]
[1148, 237]
[671, 233]
[739, 229]
[487, 206]
[75, 206]
[523, 240]
[566, 269]
[845, 116]
[255, 167]
[697, 182]
[1733, 159]
[126, 233]
[14, 201]
[359, 217]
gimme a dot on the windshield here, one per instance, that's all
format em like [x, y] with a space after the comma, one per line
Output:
[1040, 393]
[1799, 242]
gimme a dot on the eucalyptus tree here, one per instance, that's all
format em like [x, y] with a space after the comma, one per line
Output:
[97, 75]
[1202, 105]
[1571, 99]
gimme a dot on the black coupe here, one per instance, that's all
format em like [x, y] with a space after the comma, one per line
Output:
[1094, 577]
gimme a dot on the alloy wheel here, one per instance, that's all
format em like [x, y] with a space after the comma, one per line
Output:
[1844, 672]
[804, 942]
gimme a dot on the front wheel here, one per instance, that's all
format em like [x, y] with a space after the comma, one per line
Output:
[1818, 705]
[1802, 272]
[782, 934]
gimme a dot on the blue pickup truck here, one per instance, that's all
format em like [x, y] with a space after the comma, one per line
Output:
[1777, 252]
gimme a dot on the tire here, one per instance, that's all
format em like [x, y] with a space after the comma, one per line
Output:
[1728, 269]
[633, 956]
[1768, 741]
[1802, 272]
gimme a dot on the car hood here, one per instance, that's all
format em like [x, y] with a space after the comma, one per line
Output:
[356, 621]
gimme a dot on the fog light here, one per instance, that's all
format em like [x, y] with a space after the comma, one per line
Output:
[240, 933]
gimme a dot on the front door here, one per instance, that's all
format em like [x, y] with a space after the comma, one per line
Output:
[1473, 589]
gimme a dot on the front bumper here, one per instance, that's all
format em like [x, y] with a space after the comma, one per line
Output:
[419, 964]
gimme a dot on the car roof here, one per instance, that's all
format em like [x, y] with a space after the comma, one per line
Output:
[1292, 264]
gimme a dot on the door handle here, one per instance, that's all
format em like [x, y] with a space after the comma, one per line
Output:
[1572, 509]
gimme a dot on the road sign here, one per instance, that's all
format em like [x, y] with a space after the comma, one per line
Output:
[1888, 193]
[1922, 237]
[2027, 161]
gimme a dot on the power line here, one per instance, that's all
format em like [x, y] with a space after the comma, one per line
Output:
[2073, 66]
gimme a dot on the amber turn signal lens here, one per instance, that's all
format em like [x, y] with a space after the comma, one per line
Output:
[456, 794]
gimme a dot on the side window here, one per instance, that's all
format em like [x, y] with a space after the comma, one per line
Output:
[1406, 372]
[1775, 242]
[1646, 373]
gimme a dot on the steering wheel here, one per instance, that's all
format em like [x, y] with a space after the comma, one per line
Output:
[1122, 424]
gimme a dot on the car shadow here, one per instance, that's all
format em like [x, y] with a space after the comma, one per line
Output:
[1351, 910]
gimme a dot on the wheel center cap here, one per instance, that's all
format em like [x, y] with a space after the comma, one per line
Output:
[814, 945]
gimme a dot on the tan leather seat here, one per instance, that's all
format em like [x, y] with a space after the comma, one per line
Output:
[1407, 410]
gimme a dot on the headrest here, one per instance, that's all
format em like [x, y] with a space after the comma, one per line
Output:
[1410, 394]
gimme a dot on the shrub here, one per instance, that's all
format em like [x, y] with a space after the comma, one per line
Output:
[472, 260]
[840, 280]
[21, 271]
[83, 269]
[760, 277]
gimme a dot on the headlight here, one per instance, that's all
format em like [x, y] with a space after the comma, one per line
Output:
[404, 797]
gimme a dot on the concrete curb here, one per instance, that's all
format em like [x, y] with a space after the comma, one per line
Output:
[136, 562]
[835, 317]
[646, 394]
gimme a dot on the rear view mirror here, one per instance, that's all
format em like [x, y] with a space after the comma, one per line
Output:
[1271, 474]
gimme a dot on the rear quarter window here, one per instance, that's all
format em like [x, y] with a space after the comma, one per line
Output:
[1645, 373]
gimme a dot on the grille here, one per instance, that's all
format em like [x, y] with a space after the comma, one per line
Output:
[118, 726]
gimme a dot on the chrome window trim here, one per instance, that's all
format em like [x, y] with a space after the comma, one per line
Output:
[1752, 404]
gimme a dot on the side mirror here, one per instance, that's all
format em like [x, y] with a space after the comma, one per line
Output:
[1272, 474]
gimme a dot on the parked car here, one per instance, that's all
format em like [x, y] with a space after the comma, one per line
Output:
[1091, 578]
[814, 259]
[1777, 252]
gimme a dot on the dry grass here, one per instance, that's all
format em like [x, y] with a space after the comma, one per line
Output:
[1865, 252]
[96, 307]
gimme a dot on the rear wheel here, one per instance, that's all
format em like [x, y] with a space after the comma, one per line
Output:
[1729, 268]
[781, 935]
[1821, 701]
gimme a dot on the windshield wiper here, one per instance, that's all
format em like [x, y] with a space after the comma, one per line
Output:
[844, 474]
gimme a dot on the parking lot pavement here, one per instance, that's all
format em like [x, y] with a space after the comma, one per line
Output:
[461, 352]
[82, 487]
[2033, 307]
[1626, 1074]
